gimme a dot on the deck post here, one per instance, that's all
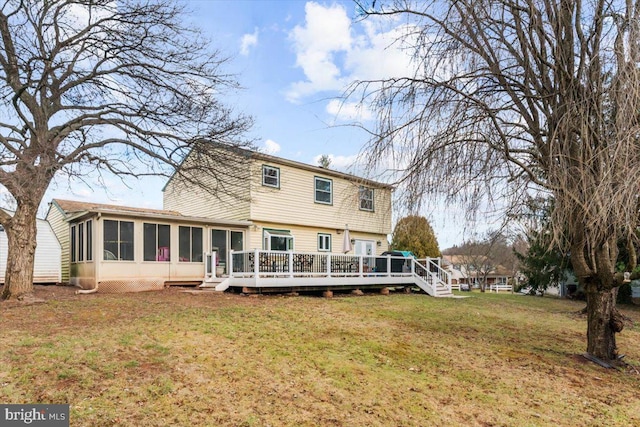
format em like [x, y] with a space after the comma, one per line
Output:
[360, 262]
[388, 265]
[230, 267]
[328, 265]
[256, 265]
[214, 263]
[207, 263]
[290, 263]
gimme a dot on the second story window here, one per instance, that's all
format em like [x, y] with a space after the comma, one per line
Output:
[366, 199]
[323, 192]
[270, 176]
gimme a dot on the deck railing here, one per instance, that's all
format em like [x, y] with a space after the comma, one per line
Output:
[258, 264]
[434, 266]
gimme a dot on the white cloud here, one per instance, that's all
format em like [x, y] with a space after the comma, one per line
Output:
[333, 52]
[271, 147]
[327, 31]
[248, 41]
[348, 111]
[343, 163]
[379, 54]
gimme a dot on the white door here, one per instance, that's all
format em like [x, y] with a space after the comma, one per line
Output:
[365, 248]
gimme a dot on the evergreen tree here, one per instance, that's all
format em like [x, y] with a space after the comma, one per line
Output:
[414, 233]
[542, 266]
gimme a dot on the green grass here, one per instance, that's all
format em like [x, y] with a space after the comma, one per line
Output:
[170, 358]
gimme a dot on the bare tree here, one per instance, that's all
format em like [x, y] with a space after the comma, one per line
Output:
[124, 87]
[481, 257]
[512, 98]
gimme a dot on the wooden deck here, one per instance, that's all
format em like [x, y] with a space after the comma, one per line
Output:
[276, 270]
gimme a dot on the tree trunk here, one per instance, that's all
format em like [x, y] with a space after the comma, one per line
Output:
[21, 235]
[602, 322]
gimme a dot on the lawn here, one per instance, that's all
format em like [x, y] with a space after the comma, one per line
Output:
[175, 359]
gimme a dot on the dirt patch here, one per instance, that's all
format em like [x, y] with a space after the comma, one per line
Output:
[42, 294]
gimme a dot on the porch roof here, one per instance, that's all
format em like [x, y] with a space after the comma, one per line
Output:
[76, 210]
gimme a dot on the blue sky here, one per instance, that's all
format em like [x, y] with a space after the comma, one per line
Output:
[293, 59]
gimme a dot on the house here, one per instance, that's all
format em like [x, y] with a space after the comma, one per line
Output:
[470, 270]
[118, 248]
[269, 203]
[47, 268]
[292, 206]
[457, 276]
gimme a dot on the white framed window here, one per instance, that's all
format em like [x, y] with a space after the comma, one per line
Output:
[270, 176]
[82, 241]
[366, 199]
[157, 242]
[323, 190]
[89, 240]
[74, 244]
[190, 244]
[277, 240]
[118, 240]
[324, 242]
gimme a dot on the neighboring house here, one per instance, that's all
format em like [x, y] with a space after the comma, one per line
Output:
[292, 206]
[567, 288]
[118, 248]
[47, 257]
[457, 277]
[463, 271]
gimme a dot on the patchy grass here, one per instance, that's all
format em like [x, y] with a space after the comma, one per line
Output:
[171, 358]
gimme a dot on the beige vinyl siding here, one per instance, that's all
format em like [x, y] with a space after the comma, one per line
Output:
[290, 205]
[60, 228]
[194, 201]
[231, 202]
[294, 202]
[306, 238]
